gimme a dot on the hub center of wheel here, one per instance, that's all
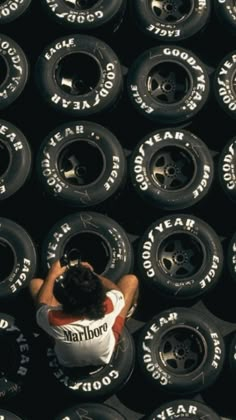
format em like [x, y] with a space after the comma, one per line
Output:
[181, 351]
[168, 86]
[171, 170]
[169, 7]
[80, 170]
[180, 258]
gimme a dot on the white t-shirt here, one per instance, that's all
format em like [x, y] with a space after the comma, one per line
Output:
[79, 341]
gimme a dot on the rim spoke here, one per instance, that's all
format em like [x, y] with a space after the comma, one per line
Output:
[169, 355]
[176, 14]
[159, 170]
[188, 266]
[72, 2]
[74, 161]
[192, 356]
[67, 82]
[167, 182]
[172, 77]
[70, 174]
[188, 342]
[157, 4]
[178, 245]
[180, 363]
[181, 178]
[168, 256]
[170, 96]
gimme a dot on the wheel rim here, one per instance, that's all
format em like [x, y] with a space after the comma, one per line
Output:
[4, 70]
[171, 11]
[181, 255]
[4, 158]
[81, 163]
[7, 260]
[7, 355]
[182, 350]
[78, 73]
[168, 82]
[172, 168]
[81, 4]
[90, 247]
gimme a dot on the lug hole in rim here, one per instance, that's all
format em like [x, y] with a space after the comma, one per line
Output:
[7, 260]
[4, 158]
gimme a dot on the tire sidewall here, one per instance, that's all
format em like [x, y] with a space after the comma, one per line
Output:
[118, 244]
[94, 17]
[155, 110]
[9, 14]
[149, 264]
[20, 159]
[225, 13]
[224, 92]
[157, 29]
[17, 71]
[108, 182]
[192, 408]
[144, 183]
[155, 371]
[101, 382]
[13, 385]
[100, 98]
[226, 169]
[24, 252]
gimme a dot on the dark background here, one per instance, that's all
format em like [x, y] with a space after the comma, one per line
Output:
[36, 213]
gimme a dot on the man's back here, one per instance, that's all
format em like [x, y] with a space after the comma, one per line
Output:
[80, 341]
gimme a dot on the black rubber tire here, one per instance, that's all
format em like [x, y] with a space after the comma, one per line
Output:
[16, 159]
[99, 164]
[148, 74]
[85, 17]
[186, 409]
[11, 10]
[171, 24]
[224, 90]
[231, 257]
[98, 57]
[18, 258]
[180, 256]
[96, 383]
[15, 63]
[172, 169]
[7, 415]
[188, 363]
[226, 14]
[15, 358]
[232, 358]
[99, 240]
[91, 410]
[227, 169]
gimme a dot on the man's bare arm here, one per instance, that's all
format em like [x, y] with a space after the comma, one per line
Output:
[45, 294]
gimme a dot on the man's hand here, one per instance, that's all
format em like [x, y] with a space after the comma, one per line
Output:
[87, 265]
[56, 270]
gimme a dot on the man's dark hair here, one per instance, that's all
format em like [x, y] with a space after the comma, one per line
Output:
[83, 293]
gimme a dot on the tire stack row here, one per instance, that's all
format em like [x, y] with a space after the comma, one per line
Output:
[117, 142]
